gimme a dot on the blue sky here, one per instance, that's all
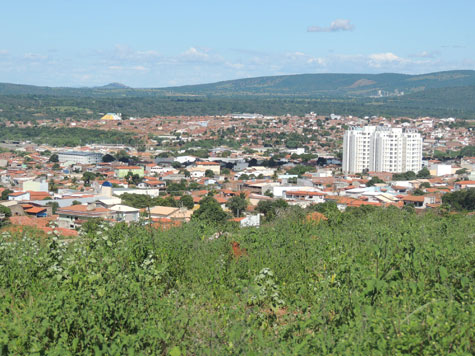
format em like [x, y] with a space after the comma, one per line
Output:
[145, 43]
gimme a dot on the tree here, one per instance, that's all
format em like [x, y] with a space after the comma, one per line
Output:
[108, 158]
[187, 201]
[237, 204]
[209, 173]
[462, 200]
[123, 156]
[56, 166]
[5, 213]
[424, 185]
[270, 207]
[373, 181]
[6, 193]
[423, 173]
[327, 208]
[54, 158]
[87, 177]
[52, 185]
[210, 211]
[133, 178]
[54, 206]
[418, 192]
[75, 202]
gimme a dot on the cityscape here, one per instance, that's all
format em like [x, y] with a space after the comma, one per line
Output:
[184, 185]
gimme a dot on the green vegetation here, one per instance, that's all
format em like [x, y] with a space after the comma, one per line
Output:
[468, 151]
[66, 136]
[447, 102]
[5, 213]
[140, 201]
[352, 286]
[237, 204]
[300, 169]
[270, 208]
[440, 94]
[210, 211]
[462, 200]
[373, 181]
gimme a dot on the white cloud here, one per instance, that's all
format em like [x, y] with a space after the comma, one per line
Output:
[336, 26]
[140, 68]
[34, 56]
[425, 54]
[380, 59]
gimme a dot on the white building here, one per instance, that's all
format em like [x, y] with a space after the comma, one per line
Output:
[79, 157]
[381, 149]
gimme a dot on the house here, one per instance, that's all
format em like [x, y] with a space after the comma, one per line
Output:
[248, 221]
[73, 216]
[464, 184]
[124, 213]
[37, 211]
[152, 184]
[304, 197]
[215, 167]
[19, 196]
[176, 214]
[419, 201]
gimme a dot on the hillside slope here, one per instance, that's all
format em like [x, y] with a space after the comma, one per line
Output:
[313, 85]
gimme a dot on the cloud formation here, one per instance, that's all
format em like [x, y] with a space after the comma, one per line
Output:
[336, 26]
[196, 64]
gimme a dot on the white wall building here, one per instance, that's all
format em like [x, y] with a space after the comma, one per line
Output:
[381, 149]
[79, 157]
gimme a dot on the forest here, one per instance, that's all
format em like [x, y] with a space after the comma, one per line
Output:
[66, 136]
[447, 102]
[298, 285]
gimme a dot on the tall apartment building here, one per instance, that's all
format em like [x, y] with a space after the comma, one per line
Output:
[381, 149]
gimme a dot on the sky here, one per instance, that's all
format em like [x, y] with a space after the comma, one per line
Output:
[145, 43]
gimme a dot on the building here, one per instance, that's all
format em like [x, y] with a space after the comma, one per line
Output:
[73, 216]
[175, 214]
[124, 213]
[112, 117]
[304, 197]
[19, 196]
[78, 157]
[381, 149]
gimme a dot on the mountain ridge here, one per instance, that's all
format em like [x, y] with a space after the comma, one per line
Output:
[308, 84]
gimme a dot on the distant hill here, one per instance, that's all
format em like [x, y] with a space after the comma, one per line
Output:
[441, 94]
[336, 85]
[114, 86]
[300, 85]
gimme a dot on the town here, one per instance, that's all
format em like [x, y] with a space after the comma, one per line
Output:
[247, 165]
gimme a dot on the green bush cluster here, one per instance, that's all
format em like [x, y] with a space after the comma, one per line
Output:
[368, 282]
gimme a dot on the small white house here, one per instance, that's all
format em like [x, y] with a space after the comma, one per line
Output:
[19, 196]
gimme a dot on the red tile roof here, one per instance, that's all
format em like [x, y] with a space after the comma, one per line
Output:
[35, 210]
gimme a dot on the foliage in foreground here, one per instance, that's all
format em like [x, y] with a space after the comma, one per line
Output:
[352, 285]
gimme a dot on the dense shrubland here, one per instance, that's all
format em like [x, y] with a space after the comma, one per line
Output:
[366, 282]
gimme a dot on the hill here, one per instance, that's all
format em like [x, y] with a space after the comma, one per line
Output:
[333, 84]
[439, 94]
[307, 85]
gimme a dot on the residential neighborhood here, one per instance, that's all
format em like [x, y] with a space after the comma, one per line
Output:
[256, 158]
